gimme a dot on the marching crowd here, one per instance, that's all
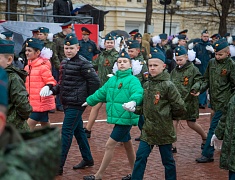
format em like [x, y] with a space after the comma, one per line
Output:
[149, 81]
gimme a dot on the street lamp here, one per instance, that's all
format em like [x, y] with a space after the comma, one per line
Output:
[171, 11]
[164, 2]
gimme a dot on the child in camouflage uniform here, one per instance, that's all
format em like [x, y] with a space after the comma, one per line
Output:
[19, 108]
[220, 79]
[161, 104]
[104, 64]
[188, 79]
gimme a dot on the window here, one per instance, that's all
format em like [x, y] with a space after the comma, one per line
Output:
[128, 0]
[196, 2]
[138, 0]
[204, 2]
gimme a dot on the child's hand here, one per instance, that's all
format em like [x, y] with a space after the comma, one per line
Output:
[194, 93]
[2, 122]
[130, 106]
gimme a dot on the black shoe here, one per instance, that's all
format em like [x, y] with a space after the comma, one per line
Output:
[60, 171]
[90, 177]
[137, 139]
[84, 164]
[88, 133]
[201, 106]
[174, 150]
[60, 109]
[204, 159]
[128, 177]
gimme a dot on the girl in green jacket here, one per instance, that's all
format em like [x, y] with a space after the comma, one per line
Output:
[121, 89]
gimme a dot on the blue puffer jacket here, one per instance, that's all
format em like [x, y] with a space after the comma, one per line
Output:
[119, 89]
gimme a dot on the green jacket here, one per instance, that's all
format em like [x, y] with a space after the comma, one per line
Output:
[161, 104]
[54, 59]
[119, 89]
[104, 64]
[186, 79]
[31, 155]
[141, 76]
[19, 108]
[220, 79]
[225, 131]
[58, 39]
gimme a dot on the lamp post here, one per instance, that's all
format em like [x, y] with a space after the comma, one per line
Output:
[164, 2]
[172, 11]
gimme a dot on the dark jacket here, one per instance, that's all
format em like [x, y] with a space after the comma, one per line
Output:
[88, 49]
[220, 79]
[19, 108]
[188, 78]
[63, 8]
[78, 80]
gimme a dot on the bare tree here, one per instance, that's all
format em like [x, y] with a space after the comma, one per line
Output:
[148, 17]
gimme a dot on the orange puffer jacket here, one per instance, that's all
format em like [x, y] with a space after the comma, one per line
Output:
[39, 74]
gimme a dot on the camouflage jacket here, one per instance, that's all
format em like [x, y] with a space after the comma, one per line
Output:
[142, 75]
[104, 64]
[19, 108]
[186, 79]
[58, 39]
[54, 59]
[225, 131]
[220, 79]
[161, 104]
[21, 153]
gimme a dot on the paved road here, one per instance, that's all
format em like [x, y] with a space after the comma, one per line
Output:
[188, 149]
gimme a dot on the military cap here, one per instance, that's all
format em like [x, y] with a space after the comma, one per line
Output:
[220, 44]
[133, 32]
[183, 32]
[215, 36]
[109, 37]
[7, 33]
[85, 31]
[34, 43]
[196, 40]
[233, 37]
[124, 54]
[3, 87]
[182, 36]
[67, 25]
[43, 30]
[163, 36]
[227, 34]
[156, 54]
[205, 31]
[180, 50]
[133, 44]
[70, 39]
[137, 35]
[34, 30]
[6, 46]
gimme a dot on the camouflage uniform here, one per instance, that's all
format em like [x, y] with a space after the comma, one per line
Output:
[58, 39]
[225, 131]
[19, 108]
[162, 103]
[104, 64]
[54, 59]
[29, 156]
[141, 76]
[188, 78]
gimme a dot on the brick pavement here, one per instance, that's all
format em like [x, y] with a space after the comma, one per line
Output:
[188, 149]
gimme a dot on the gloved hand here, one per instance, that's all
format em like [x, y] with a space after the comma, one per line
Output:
[210, 48]
[45, 91]
[110, 75]
[191, 55]
[84, 104]
[130, 106]
[213, 139]
[198, 61]
[190, 46]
